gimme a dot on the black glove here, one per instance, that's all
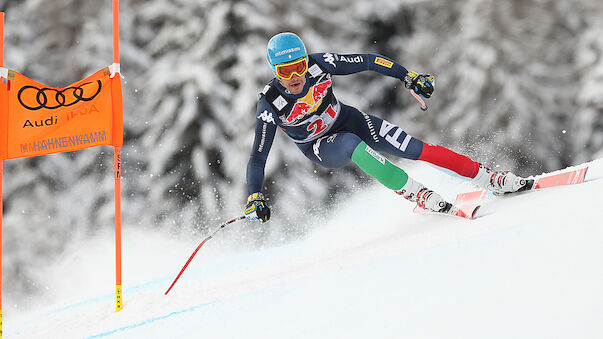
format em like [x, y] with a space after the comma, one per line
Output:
[257, 208]
[422, 84]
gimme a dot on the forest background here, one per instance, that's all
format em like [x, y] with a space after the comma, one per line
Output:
[518, 86]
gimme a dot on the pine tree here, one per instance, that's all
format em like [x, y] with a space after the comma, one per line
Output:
[587, 110]
[517, 85]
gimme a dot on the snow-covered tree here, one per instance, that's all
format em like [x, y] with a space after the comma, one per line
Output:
[517, 85]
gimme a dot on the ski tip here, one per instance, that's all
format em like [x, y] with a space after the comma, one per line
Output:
[583, 174]
[467, 211]
[475, 212]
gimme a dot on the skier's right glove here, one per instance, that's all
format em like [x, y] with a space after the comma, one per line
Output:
[422, 84]
[257, 208]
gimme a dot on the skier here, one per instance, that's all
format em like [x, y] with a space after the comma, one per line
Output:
[301, 102]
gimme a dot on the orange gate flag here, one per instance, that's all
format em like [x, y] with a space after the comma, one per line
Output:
[37, 119]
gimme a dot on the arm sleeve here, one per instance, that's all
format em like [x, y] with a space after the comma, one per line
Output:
[344, 64]
[265, 130]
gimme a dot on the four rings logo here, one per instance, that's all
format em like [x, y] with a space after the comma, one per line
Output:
[34, 98]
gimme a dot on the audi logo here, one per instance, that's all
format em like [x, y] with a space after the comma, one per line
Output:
[34, 98]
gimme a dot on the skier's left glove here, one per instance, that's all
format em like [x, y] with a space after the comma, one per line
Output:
[257, 208]
[422, 84]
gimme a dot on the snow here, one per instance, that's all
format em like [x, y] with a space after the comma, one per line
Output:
[192, 73]
[529, 267]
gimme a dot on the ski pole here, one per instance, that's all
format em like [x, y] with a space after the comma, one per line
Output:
[420, 100]
[198, 247]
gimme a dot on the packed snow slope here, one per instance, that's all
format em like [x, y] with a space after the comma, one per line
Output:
[531, 266]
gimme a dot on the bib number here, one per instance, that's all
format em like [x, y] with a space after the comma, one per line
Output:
[320, 123]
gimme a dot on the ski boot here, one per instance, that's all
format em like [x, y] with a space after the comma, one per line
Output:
[415, 192]
[501, 182]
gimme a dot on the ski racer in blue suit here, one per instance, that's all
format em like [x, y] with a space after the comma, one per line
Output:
[300, 101]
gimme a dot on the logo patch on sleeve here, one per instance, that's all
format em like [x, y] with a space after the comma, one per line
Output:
[384, 62]
[330, 58]
[280, 102]
[351, 59]
[314, 71]
[266, 117]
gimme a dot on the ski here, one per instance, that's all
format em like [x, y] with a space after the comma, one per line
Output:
[567, 178]
[467, 211]
[543, 181]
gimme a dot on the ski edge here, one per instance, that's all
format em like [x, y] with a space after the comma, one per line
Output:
[545, 181]
[464, 211]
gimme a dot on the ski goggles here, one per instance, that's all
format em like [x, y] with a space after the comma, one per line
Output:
[287, 69]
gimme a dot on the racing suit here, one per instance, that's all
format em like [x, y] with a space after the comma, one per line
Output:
[328, 131]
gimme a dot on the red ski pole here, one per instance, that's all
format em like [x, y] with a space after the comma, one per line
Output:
[198, 247]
